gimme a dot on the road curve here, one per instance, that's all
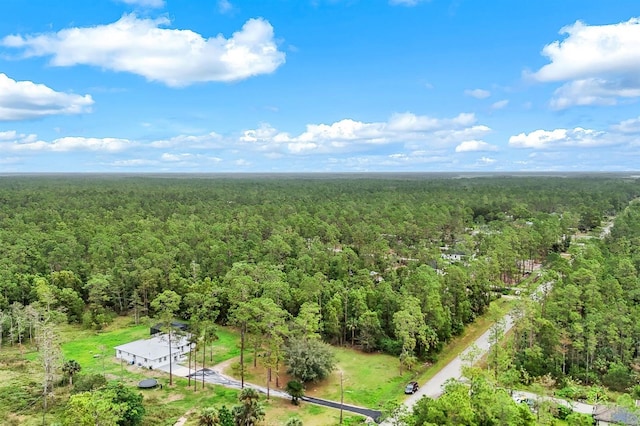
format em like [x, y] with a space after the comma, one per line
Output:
[217, 378]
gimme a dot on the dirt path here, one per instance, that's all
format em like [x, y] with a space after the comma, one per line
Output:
[182, 420]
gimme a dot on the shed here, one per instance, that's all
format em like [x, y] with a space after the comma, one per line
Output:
[178, 325]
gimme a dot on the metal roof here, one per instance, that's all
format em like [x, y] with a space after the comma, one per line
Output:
[155, 347]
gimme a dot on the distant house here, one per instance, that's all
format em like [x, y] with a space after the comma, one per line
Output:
[604, 415]
[154, 352]
[178, 325]
[452, 257]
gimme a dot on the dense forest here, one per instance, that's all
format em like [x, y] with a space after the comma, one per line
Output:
[398, 264]
[362, 250]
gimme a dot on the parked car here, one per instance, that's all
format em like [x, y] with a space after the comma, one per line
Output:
[412, 387]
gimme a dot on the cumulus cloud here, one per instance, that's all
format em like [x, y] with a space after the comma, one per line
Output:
[171, 56]
[631, 126]
[599, 64]
[594, 91]
[348, 135]
[24, 100]
[475, 145]
[153, 4]
[577, 137]
[21, 142]
[478, 93]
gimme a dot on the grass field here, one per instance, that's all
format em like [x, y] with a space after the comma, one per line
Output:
[20, 375]
[370, 380]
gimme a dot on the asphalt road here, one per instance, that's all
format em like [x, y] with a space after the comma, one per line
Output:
[217, 378]
[453, 370]
[434, 387]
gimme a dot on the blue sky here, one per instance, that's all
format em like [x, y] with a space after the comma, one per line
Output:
[319, 85]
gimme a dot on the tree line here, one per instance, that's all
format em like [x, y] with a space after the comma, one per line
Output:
[392, 264]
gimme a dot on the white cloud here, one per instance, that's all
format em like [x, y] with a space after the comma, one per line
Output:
[207, 141]
[631, 126]
[500, 104]
[577, 137]
[599, 63]
[487, 160]
[478, 93]
[224, 6]
[348, 135]
[410, 122]
[24, 100]
[594, 91]
[187, 158]
[154, 4]
[65, 144]
[8, 135]
[174, 57]
[475, 145]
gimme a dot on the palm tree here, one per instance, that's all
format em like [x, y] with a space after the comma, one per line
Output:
[209, 417]
[70, 368]
[296, 390]
[293, 421]
[250, 411]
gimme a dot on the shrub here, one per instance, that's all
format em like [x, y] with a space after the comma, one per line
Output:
[391, 346]
[89, 382]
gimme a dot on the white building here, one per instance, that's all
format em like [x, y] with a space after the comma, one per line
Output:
[154, 352]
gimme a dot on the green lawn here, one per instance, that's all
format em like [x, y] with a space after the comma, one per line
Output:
[95, 354]
[369, 380]
[94, 351]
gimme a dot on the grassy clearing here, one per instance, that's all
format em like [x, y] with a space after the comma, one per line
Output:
[20, 375]
[371, 380]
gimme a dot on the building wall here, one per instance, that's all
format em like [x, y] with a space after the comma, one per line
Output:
[178, 353]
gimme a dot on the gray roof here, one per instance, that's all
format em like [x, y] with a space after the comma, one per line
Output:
[616, 415]
[155, 347]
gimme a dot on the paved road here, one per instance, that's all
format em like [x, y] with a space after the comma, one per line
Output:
[215, 377]
[373, 414]
[453, 370]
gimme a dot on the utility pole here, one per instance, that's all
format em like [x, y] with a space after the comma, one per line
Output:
[341, 394]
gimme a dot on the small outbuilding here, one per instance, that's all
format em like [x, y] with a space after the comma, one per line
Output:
[154, 352]
[175, 325]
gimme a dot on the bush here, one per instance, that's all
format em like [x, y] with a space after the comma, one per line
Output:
[635, 392]
[618, 378]
[89, 382]
[391, 346]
